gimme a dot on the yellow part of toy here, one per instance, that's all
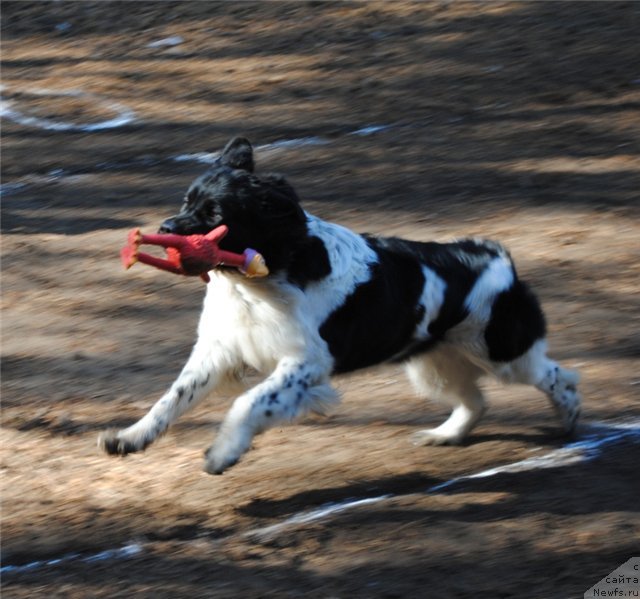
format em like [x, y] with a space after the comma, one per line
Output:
[257, 267]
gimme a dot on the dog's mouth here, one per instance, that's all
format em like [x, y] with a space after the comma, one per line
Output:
[185, 226]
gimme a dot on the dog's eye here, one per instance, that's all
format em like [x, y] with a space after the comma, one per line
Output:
[212, 211]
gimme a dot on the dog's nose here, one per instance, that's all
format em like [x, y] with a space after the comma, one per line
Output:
[168, 226]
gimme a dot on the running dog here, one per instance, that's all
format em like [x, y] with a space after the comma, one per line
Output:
[337, 301]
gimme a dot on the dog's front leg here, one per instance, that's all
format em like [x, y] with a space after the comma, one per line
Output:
[202, 373]
[294, 388]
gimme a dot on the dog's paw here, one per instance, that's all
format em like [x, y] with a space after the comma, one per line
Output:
[227, 449]
[217, 461]
[433, 437]
[567, 402]
[569, 414]
[111, 443]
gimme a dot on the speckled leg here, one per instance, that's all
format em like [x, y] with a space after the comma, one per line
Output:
[199, 376]
[294, 388]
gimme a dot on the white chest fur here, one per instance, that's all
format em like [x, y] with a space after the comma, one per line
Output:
[253, 321]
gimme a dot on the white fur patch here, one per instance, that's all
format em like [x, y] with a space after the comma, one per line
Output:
[431, 299]
[497, 277]
[351, 260]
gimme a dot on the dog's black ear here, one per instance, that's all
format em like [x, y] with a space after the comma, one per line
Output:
[238, 153]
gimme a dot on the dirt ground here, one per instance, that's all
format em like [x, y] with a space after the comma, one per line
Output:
[518, 121]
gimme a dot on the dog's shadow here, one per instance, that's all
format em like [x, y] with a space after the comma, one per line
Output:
[398, 485]
[402, 484]
[551, 437]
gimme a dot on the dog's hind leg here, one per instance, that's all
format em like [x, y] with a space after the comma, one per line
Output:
[447, 376]
[557, 383]
[294, 388]
[202, 372]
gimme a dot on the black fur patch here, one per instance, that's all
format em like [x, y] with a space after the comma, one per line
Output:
[376, 322]
[310, 262]
[273, 398]
[458, 264]
[516, 323]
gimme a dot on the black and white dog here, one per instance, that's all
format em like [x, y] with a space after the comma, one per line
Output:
[337, 301]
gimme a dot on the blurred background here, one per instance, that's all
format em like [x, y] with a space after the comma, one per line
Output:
[429, 120]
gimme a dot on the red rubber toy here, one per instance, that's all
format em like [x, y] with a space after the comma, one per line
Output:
[191, 255]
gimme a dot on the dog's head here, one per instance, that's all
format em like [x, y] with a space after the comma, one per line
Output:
[262, 213]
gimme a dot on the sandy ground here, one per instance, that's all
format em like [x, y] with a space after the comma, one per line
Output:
[517, 121]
